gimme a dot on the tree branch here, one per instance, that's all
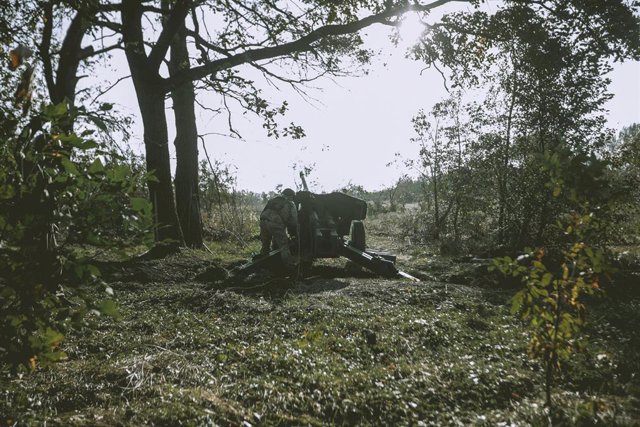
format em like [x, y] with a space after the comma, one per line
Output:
[300, 45]
[109, 88]
[110, 25]
[169, 30]
[200, 42]
[45, 47]
[90, 52]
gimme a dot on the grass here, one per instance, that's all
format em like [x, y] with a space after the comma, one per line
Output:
[331, 349]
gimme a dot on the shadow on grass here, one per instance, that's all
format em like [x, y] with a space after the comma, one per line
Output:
[316, 286]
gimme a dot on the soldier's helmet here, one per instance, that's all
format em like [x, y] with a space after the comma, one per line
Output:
[289, 193]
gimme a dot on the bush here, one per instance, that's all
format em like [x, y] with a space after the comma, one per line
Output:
[558, 276]
[56, 189]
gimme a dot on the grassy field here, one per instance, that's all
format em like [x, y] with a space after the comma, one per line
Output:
[329, 349]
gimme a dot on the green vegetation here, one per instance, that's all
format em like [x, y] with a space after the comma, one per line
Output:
[58, 192]
[96, 330]
[343, 350]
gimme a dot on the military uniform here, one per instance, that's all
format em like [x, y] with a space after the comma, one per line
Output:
[279, 214]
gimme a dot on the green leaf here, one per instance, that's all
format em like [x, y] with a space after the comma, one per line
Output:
[139, 204]
[99, 123]
[546, 279]
[70, 167]
[96, 167]
[55, 111]
[120, 173]
[538, 265]
[516, 302]
[83, 144]
[93, 270]
[109, 308]
[50, 338]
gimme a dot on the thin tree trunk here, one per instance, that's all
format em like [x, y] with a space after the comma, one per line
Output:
[543, 216]
[503, 176]
[60, 87]
[70, 56]
[436, 176]
[186, 143]
[436, 234]
[459, 186]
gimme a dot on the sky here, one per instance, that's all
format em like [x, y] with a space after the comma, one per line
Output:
[354, 126]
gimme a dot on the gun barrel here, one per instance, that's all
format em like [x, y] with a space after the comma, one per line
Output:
[304, 181]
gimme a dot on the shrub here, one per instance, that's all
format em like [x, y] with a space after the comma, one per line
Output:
[558, 277]
[56, 189]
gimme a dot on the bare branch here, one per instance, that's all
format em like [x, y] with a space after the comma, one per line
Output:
[108, 89]
[88, 53]
[215, 111]
[202, 43]
[110, 25]
[229, 123]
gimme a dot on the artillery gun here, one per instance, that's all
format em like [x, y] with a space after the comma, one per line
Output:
[330, 226]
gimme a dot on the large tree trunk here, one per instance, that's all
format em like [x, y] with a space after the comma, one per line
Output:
[156, 143]
[150, 94]
[186, 143]
[70, 56]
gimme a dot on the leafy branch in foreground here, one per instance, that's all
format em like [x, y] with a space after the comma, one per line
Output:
[557, 279]
[57, 191]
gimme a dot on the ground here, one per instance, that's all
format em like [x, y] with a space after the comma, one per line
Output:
[194, 348]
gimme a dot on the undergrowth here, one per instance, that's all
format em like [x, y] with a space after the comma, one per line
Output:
[324, 350]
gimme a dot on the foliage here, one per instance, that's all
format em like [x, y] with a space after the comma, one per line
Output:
[558, 278]
[228, 213]
[545, 96]
[623, 153]
[443, 164]
[57, 189]
[553, 301]
[483, 190]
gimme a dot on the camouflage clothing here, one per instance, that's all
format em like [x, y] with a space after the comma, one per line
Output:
[279, 214]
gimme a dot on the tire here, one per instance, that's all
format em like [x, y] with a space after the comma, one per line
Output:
[357, 235]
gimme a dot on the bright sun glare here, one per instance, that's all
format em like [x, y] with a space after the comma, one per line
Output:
[411, 27]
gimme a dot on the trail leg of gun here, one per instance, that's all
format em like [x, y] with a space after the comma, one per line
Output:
[266, 261]
[374, 263]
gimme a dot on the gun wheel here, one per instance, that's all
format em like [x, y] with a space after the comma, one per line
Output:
[357, 235]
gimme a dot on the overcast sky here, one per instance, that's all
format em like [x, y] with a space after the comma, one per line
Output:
[355, 126]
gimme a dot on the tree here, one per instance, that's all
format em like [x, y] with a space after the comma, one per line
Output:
[433, 160]
[268, 36]
[33, 27]
[55, 31]
[311, 39]
[186, 143]
[550, 90]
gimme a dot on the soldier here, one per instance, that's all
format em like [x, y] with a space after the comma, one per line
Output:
[279, 214]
